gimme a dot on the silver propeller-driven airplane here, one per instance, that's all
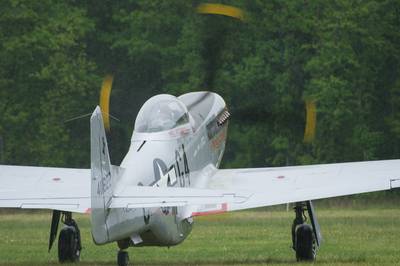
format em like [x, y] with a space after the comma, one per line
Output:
[170, 175]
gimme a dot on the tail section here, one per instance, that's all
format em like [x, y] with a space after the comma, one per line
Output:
[101, 178]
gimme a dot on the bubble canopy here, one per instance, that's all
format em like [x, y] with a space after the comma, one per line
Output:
[161, 112]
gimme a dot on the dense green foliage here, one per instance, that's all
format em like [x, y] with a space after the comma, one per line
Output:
[343, 54]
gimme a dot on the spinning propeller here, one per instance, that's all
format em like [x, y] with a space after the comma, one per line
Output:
[213, 45]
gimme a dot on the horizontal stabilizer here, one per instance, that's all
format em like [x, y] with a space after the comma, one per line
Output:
[148, 197]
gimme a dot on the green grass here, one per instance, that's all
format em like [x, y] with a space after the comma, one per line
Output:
[352, 237]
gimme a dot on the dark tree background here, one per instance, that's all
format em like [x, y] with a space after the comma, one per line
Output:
[343, 54]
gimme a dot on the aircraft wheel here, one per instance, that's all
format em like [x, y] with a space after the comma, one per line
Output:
[123, 258]
[68, 245]
[305, 243]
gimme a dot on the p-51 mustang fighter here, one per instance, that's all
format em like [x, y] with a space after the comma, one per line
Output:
[170, 175]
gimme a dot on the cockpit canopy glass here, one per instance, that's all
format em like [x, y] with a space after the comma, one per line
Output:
[160, 113]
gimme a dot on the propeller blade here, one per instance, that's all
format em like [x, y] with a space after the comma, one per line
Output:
[215, 31]
[105, 100]
[55, 220]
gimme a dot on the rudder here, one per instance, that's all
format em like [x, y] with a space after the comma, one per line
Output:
[101, 178]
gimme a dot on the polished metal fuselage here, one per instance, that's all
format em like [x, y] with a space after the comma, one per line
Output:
[179, 158]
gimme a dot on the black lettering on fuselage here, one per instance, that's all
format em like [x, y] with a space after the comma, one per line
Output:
[104, 184]
[182, 167]
[179, 172]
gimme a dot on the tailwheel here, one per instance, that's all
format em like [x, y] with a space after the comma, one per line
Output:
[123, 258]
[69, 241]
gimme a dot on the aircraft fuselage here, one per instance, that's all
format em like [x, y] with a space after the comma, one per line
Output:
[179, 157]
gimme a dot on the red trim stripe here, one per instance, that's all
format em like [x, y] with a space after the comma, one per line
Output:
[224, 208]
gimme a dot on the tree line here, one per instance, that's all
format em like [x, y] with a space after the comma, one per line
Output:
[342, 54]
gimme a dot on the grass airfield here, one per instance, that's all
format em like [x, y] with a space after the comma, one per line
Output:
[352, 236]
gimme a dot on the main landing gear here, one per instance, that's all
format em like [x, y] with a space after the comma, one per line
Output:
[306, 238]
[69, 240]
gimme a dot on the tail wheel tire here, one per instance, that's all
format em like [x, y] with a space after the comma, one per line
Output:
[305, 243]
[123, 258]
[68, 245]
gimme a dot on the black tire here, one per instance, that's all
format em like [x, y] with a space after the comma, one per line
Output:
[305, 243]
[68, 245]
[123, 258]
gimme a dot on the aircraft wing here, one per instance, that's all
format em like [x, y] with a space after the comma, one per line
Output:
[278, 185]
[227, 190]
[64, 189]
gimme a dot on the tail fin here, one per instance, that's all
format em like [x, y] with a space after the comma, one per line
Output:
[101, 180]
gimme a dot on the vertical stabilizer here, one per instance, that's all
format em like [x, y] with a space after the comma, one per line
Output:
[101, 178]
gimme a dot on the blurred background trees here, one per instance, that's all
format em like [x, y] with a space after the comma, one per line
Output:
[343, 54]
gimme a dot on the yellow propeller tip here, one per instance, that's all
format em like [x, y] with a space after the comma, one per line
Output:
[219, 9]
[311, 121]
[105, 99]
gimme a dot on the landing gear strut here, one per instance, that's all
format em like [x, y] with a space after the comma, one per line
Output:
[69, 240]
[305, 238]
